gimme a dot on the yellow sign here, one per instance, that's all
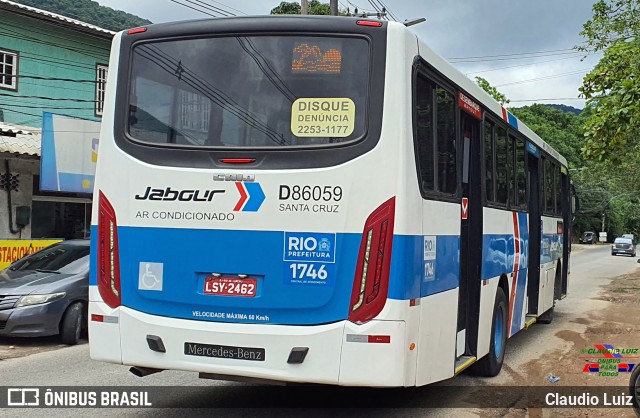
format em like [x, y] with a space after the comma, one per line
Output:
[14, 249]
[320, 117]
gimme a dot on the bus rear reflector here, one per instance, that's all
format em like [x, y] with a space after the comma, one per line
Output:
[237, 160]
[369, 23]
[108, 260]
[371, 282]
[136, 30]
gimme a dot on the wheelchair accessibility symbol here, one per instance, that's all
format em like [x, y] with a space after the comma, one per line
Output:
[150, 276]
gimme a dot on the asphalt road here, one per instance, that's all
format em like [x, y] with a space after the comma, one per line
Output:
[590, 268]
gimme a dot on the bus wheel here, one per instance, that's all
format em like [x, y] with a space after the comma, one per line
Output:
[491, 364]
[634, 389]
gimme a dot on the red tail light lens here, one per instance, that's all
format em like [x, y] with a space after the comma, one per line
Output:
[371, 282]
[136, 30]
[108, 260]
[369, 23]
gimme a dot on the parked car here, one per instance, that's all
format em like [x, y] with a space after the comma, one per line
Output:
[46, 293]
[588, 237]
[623, 246]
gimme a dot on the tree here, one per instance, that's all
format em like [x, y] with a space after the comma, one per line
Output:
[562, 130]
[293, 8]
[285, 8]
[90, 12]
[492, 91]
[612, 88]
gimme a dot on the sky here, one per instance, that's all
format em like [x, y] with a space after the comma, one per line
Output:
[522, 47]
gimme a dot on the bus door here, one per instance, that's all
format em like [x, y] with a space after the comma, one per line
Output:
[470, 234]
[535, 227]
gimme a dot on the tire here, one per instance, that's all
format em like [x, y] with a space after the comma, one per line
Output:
[72, 324]
[491, 364]
[634, 389]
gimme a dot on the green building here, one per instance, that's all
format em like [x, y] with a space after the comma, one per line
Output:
[48, 63]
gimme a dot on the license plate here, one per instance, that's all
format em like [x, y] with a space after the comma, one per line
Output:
[230, 286]
[224, 351]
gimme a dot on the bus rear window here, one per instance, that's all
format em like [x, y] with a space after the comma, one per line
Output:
[250, 91]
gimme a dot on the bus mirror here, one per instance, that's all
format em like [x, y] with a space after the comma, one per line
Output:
[575, 203]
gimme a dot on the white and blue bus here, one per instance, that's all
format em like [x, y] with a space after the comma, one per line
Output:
[315, 199]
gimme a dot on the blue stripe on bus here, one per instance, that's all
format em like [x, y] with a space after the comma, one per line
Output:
[415, 277]
[190, 254]
[513, 121]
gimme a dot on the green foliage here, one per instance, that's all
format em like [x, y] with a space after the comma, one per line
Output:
[612, 88]
[90, 12]
[293, 8]
[562, 130]
[613, 92]
[613, 20]
[285, 8]
[492, 91]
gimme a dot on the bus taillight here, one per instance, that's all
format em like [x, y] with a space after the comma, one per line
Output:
[108, 260]
[371, 282]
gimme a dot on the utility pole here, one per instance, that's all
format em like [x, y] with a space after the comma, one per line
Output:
[334, 7]
[304, 6]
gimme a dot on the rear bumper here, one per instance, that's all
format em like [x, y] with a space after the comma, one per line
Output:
[616, 251]
[335, 355]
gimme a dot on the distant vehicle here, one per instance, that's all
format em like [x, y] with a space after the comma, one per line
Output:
[46, 293]
[588, 238]
[623, 246]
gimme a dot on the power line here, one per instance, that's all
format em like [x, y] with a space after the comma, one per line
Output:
[520, 65]
[50, 98]
[200, 84]
[462, 61]
[54, 63]
[207, 6]
[198, 10]
[513, 54]
[386, 9]
[547, 99]
[220, 10]
[66, 88]
[228, 7]
[71, 80]
[543, 78]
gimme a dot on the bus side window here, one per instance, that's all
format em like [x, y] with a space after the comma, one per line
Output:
[548, 187]
[521, 174]
[488, 161]
[424, 132]
[446, 147]
[502, 188]
[435, 131]
[558, 187]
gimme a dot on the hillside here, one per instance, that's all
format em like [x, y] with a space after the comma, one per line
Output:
[565, 108]
[90, 12]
